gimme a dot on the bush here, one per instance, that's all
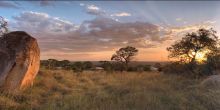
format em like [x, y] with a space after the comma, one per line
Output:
[175, 68]
[191, 70]
[108, 66]
[213, 62]
[204, 70]
[139, 68]
[147, 67]
[158, 66]
[210, 66]
[131, 69]
[118, 66]
[87, 65]
[77, 67]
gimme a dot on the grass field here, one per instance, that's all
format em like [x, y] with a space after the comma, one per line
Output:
[65, 90]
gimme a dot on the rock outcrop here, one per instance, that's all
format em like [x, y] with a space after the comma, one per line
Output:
[19, 60]
[212, 82]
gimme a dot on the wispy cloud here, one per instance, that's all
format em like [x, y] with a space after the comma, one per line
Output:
[9, 4]
[95, 10]
[82, 4]
[92, 35]
[122, 14]
[93, 7]
[41, 22]
[179, 19]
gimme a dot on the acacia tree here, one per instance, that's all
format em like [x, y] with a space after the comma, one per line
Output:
[125, 55]
[3, 26]
[204, 41]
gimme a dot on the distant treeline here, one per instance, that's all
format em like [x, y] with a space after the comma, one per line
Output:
[109, 66]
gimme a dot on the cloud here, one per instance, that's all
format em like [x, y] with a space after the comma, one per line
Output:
[192, 27]
[82, 4]
[95, 10]
[98, 12]
[176, 33]
[7, 4]
[96, 56]
[105, 34]
[179, 19]
[122, 14]
[93, 7]
[41, 22]
[97, 35]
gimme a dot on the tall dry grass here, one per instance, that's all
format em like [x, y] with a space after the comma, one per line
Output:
[65, 90]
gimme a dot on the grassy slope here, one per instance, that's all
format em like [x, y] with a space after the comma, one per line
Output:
[64, 90]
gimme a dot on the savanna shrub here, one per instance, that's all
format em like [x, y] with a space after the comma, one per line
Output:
[204, 70]
[192, 70]
[139, 68]
[175, 68]
[131, 68]
[210, 66]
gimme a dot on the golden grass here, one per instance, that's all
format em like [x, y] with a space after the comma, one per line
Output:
[65, 90]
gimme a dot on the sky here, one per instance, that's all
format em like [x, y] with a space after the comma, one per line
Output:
[94, 30]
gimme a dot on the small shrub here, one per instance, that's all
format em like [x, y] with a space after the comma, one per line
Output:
[147, 67]
[108, 66]
[87, 65]
[192, 70]
[158, 66]
[130, 69]
[77, 67]
[140, 69]
[175, 68]
[204, 70]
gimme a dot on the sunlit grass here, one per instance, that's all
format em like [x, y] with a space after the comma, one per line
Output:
[65, 90]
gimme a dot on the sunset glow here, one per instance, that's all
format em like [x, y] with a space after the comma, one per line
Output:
[87, 30]
[201, 57]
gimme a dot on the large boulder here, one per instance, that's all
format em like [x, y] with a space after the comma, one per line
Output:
[19, 60]
[212, 82]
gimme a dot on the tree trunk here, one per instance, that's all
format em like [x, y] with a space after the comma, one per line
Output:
[194, 58]
[126, 66]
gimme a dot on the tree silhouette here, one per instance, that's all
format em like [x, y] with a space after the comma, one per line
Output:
[189, 46]
[3, 26]
[125, 55]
